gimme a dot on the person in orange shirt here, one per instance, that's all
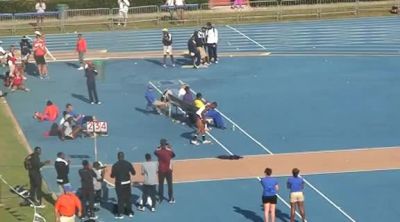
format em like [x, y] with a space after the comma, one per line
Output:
[67, 206]
[81, 48]
[50, 113]
[39, 52]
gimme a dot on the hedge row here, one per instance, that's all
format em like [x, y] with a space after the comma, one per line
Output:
[13, 6]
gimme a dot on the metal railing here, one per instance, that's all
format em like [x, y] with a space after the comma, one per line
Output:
[154, 15]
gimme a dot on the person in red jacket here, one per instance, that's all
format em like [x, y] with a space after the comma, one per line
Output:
[81, 48]
[50, 113]
[165, 154]
[39, 53]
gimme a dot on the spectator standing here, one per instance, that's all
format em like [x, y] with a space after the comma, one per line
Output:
[165, 154]
[11, 59]
[269, 197]
[295, 184]
[123, 12]
[98, 181]
[2, 54]
[212, 41]
[40, 9]
[67, 206]
[39, 52]
[122, 171]
[33, 165]
[90, 74]
[62, 169]
[149, 171]
[180, 9]
[167, 47]
[87, 189]
[81, 48]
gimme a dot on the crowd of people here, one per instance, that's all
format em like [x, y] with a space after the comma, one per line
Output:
[82, 203]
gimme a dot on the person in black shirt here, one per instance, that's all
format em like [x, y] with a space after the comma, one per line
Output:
[167, 47]
[35, 177]
[26, 49]
[90, 74]
[62, 169]
[122, 171]
[87, 188]
[193, 52]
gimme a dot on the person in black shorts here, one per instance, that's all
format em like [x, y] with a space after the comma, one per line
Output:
[269, 197]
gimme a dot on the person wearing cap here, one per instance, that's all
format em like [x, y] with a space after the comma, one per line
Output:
[50, 113]
[26, 49]
[81, 48]
[40, 9]
[211, 42]
[90, 74]
[123, 12]
[122, 171]
[87, 176]
[35, 176]
[39, 52]
[62, 169]
[149, 171]
[67, 205]
[165, 154]
[167, 47]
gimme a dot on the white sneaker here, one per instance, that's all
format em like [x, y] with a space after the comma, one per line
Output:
[141, 208]
[164, 65]
[216, 62]
[119, 217]
[130, 215]
[80, 68]
[153, 209]
[172, 201]
[92, 103]
[173, 65]
[99, 103]
[93, 217]
[195, 142]
[206, 141]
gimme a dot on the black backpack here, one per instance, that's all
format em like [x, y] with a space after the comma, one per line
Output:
[28, 162]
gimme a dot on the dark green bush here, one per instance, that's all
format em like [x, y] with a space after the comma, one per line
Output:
[13, 6]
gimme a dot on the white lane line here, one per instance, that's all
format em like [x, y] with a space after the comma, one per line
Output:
[306, 181]
[228, 26]
[209, 134]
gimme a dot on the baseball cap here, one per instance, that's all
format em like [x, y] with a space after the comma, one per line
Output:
[165, 30]
[163, 142]
[37, 33]
[68, 188]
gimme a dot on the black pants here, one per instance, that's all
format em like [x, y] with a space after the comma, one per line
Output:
[124, 198]
[212, 51]
[88, 202]
[35, 180]
[149, 191]
[91, 85]
[161, 177]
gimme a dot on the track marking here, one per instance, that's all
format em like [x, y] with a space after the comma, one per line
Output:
[230, 27]
[306, 181]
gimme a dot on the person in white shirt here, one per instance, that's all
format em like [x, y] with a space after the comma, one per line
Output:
[40, 8]
[180, 8]
[2, 55]
[123, 12]
[212, 42]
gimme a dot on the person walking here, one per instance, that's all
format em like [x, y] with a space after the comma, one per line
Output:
[62, 168]
[39, 53]
[211, 42]
[33, 165]
[269, 197]
[295, 184]
[149, 171]
[165, 154]
[87, 188]
[122, 171]
[90, 74]
[81, 48]
[67, 206]
[167, 47]
[123, 12]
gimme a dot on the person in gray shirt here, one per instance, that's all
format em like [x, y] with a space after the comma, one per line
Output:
[149, 171]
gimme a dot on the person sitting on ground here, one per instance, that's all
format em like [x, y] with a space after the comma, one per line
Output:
[17, 81]
[50, 113]
[215, 116]
[69, 129]
[152, 102]
[80, 119]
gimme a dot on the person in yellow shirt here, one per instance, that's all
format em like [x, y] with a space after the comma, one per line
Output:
[198, 102]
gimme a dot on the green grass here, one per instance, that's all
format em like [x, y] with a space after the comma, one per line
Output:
[13, 152]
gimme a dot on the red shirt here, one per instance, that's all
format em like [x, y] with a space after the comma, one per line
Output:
[17, 80]
[11, 57]
[81, 45]
[39, 47]
[51, 112]
[164, 158]
[67, 204]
